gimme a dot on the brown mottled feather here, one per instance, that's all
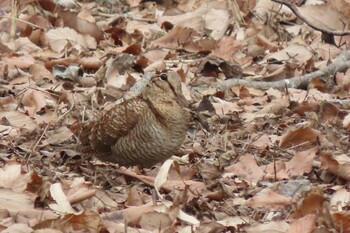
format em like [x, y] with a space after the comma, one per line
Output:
[140, 131]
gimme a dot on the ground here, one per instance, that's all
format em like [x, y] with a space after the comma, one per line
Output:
[267, 147]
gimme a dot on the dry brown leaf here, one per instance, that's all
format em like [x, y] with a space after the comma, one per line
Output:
[34, 101]
[338, 165]
[346, 121]
[302, 162]
[275, 170]
[266, 9]
[304, 107]
[271, 227]
[217, 21]
[332, 20]
[131, 215]
[210, 227]
[18, 227]
[149, 31]
[247, 169]
[15, 60]
[305, 224]
[223, 107]
[154, 220]
[135, 198]
[226, 47]
[65, 38]
[169, 185]
[195, 19]
[300, 135]
[24, 44]
[177, 37]
[58, 136]
[261, 141]
[11, 177]
[82, 26]
[85, 14]
[269, 199]
[342, 221]
[311, 204]
[340, 198]
[87, 221]
[40, 73]
[331, 113]
[154, 55]
[294, 53]
[133, 3]
[15, 202]
[233, 221]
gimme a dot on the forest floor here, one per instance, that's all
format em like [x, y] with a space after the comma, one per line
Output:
[269, 81]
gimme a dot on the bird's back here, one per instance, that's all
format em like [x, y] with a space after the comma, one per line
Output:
[141, 131]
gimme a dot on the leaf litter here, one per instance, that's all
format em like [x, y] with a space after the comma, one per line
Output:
[255, 160]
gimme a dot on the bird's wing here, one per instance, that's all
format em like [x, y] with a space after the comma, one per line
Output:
[98, 136]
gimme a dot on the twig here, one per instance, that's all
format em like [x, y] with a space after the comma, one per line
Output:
[14, 13]
[295, 10]
[137, 88]
[140, 19]
[130, 17]
[36, 144]
[339, 64]
[22, 21]
[65, 113]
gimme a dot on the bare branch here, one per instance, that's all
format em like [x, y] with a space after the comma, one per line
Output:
[299, 15]
[339, 64]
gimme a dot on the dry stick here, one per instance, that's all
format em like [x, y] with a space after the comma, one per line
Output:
[339, 64]
[138, 87]
[22, 21]
[14, 12]
[130, 17]
[295, 10]
[36, 144]
[81, 196]
[44, 132]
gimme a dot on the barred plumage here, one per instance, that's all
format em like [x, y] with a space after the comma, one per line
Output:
[141, 131]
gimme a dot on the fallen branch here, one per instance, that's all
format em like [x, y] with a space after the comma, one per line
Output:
[341, 63]
[295, 10]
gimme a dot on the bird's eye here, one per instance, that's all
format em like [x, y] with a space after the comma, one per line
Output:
[164, 77]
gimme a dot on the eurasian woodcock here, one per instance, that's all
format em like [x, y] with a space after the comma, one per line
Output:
[143, 130]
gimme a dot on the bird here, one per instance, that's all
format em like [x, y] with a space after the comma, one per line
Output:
[141, 131]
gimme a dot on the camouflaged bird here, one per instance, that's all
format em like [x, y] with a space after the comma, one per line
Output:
[143, 130]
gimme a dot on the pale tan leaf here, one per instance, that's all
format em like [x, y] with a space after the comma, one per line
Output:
[270, 199]
[154, 220]
[18, 228]
[301, 162]
[338, 165]
[63, 205]
[14, 201]
[340, 198]
[305, 224]
[12, 178]
[271, 227]
[295, 52]
[247, 169]
[331, 19]
[162, 176]
[61, 38]
[300, 135]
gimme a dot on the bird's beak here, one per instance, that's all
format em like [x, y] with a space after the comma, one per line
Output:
[181, 99]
